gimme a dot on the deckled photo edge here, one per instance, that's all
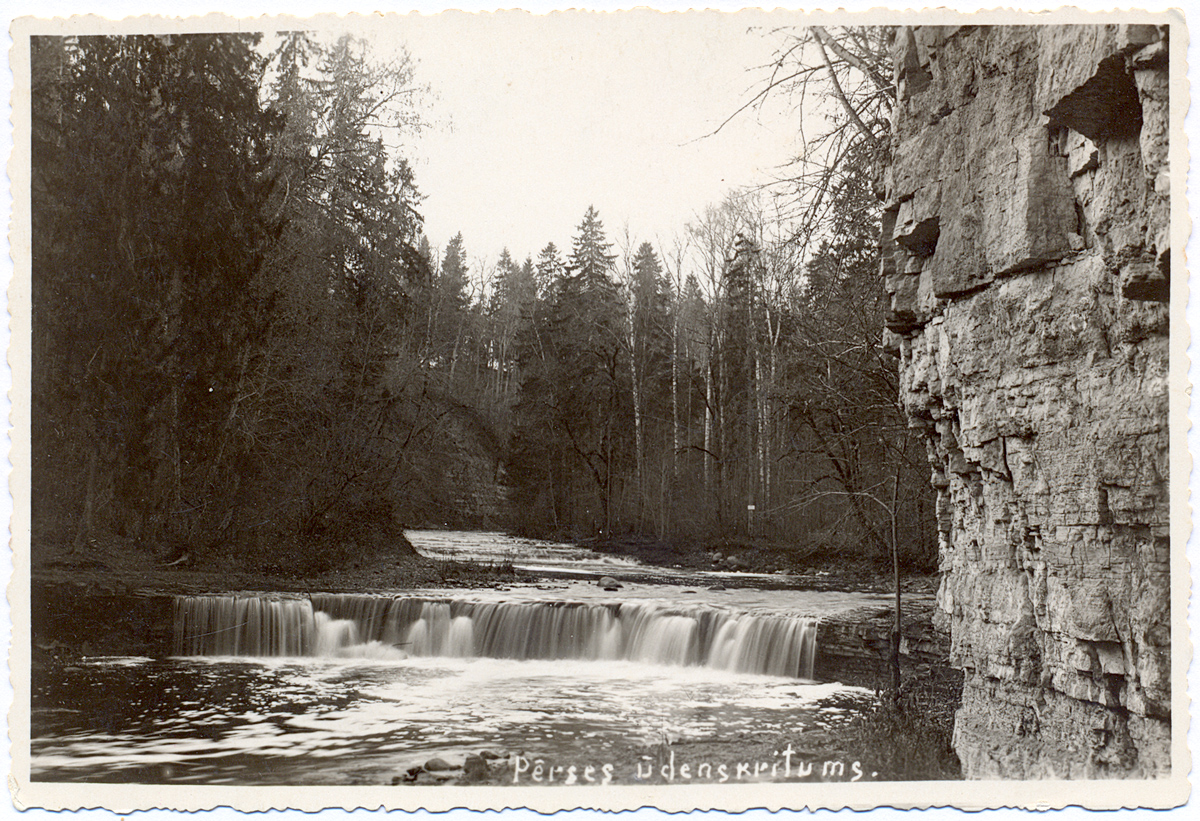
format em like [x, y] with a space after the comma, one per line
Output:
[966, 795]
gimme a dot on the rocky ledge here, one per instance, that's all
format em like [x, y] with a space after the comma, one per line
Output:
[854, 646]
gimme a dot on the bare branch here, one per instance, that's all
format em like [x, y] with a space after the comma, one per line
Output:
[854, 60]
[841, 95]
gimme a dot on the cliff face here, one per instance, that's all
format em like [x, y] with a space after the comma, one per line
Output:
[1027, 259]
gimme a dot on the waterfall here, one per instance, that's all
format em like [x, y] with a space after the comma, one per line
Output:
[351, 625]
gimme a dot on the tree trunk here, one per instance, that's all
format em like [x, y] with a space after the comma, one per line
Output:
[638, 433]
[750, 368]
[89, 502]
[896, 582]
[677, 439]
[710, 422]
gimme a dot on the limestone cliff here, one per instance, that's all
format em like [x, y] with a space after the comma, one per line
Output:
[1027, 260]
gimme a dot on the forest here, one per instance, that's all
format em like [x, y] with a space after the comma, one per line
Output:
[244, 347]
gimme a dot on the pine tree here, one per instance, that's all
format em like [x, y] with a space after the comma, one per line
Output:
[512, 305]
[590, 261]
[148, 188]
[549, 270]
[649, 358]
[571, 446]
[452, 275]
[338, 302]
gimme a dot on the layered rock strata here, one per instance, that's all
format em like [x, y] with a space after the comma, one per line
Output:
[1027, 257]
[854, 646]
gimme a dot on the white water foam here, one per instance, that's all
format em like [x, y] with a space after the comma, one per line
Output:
[363, 626]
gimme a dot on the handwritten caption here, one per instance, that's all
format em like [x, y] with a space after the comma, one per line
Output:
[784, 765]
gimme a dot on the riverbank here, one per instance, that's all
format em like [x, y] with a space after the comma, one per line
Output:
[121, 565]
[125, 566]
[806, 566]
[112, 598]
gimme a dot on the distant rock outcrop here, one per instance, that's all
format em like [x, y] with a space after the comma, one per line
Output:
[1027, 255]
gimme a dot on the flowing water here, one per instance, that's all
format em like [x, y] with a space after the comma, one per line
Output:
[399, 627]
[356, 689]
[537, 556]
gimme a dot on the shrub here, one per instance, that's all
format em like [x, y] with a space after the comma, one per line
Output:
[910, 738]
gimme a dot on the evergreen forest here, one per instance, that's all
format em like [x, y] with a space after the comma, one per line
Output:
[246, 349]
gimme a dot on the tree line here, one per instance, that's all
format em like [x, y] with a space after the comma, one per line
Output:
[725, 388]
[733, 382]
[228, 346]
[244, 344]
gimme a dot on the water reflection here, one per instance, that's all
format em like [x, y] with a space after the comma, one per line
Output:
[291, 721]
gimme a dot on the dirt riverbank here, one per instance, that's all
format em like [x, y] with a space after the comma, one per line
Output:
[791, 565]
[122, 567]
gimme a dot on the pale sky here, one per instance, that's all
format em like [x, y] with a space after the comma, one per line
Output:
[537, 117]
[691, 185]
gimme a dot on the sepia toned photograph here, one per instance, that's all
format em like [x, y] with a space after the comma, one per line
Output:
[703, 410]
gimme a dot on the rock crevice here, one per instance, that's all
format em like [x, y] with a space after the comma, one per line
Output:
[1026, 241]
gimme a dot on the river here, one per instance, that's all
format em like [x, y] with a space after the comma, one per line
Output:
[356, 689]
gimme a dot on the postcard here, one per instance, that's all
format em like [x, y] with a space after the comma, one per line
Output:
[703, 410]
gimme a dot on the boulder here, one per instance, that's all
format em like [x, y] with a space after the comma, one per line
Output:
[475, 767]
